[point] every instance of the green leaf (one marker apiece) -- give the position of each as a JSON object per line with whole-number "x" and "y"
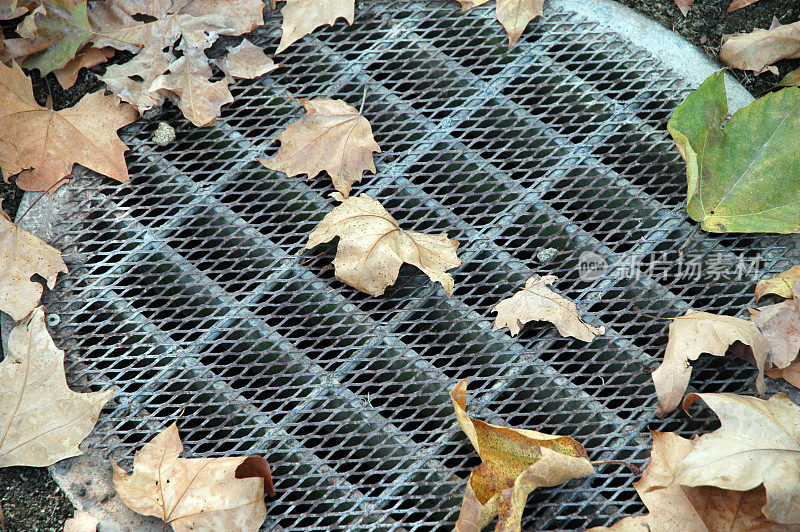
{"x": 64, "y": 29}
{"x": 744, "y": 178}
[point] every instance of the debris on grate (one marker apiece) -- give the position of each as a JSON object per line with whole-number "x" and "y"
{"x": 190, "y": 290}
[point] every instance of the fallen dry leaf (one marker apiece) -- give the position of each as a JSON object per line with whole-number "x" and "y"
{"x": 696, "y": 333}
{"x": 758, "y": 443}
{"x": 331, "y": 137}
{"x": 41, "y": 145}
{"x": 11, "y": 9}
{"x": 372, "y": 246}
{"x": 780, "y": 285}
{"x": 760, "y": 49}
{"x": 301, "y": 17}
{"x": 42, "y": 421}
{"x": 246, "y": 61}
{"x": 21, "y": 256}
{"x": 792, "y": 79}
{"x": 790, "y": 373}
{"x": 537, "y": 302}
{"x": 86, "y": 58}
{"x": 780, "y": 325}
{"x": 185, "y": 28}
{"x": 81, "y": 522}
{"x": 739, "y": 4}
{"x": 684, "y": 6}
{"x": 690, "y": 509}
{"x": 191, "y": 493}
{"x": 514, "y": 462}
{"x": 514, "y": 15}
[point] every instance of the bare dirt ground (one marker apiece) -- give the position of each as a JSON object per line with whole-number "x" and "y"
{"x": 30, "y": 498}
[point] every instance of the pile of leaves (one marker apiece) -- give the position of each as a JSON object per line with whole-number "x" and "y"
{"x": 742, "y": 176}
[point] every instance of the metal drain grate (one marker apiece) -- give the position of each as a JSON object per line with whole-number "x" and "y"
{"x": 189, "y": 289}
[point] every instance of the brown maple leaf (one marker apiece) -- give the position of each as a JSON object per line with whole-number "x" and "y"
{"x": 88, "y": 57}
{"x": 780, "y": 325}
{"x": 194, "y": 493}
{"x": 537, "y": 302}
{"x": 246, "y": 61}
{"x": 331, "y": 137}
{"x": 690, "y": 509}
{"x": 760, "y": 49}
{"x": 514, "y": 462}
{"x": 301, "y": 17}
{"x": 696, "y": 333}
{"x": 42, "y": 421}
{"x": 514, "y": 15}
{"x": 21, "y": 256}
{"x": 372, "y": 246}
{"x": 41, "y": 144}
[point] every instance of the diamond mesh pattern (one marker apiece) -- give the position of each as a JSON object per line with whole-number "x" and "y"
{"x": 190, "y": 291}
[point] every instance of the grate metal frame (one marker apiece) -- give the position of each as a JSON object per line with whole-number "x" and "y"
{"x": 189, "y": 289}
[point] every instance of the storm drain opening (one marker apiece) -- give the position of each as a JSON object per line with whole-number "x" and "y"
{"x": 190, "y": 291}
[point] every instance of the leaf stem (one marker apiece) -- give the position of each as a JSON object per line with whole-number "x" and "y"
{"x": 56, "y": 185}
{"x": 2, "y": 519}
{"x": 363, "y": 99}
{"x": 636, "y": 470}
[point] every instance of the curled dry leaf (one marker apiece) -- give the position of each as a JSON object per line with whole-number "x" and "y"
{"x": 514, "y": 462}
{"x": 780, "y": 325}
{"x": 696, "y": 333}
{"x": 42, "y": 421}
{"x": 301, "y": 17}
{"x": 690, "y": 509}
{"x": 334, "y": 137}
{"x": 191, "y": 493}
{"x": 21, "y": 256}
{"x": 760, "y": 49}
{"x": 86, "y": 58}
{"x": 41, "y": 145}
{"x": 792, "y": 79}
{"x": 790, "y": 373}
{"x": 81, "y": 522}
{"x": 780, "y": 285}
{"x": 743, "y": 178}
{"x": 739, "y": 4}
{"x": 372, "y": 246}
{"x": 246, "y": 61}
{"x": 514, "y": 15}
{"x": 537, "y": 302}
{"x": 758, "y": 443}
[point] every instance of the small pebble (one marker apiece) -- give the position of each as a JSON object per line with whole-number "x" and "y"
{"x": 546, "y": 254}
{"x": 164, "y": 135}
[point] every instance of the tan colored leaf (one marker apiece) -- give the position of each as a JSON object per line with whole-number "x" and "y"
{"x": 790, "y": 373}
{"x": 246, "y": 61}
{"x": 21, "y": 256}
{"x": 332, "y": 136}
{"x": 514, "y": 462}
{"x": 791, "y": 79}
{"x": 537, "y": 302}
{"x": 190, "y": 493}
{"x": 780, "y": 325}
{"x": 81, "y": 522}
{"x": 372, "y": 246}
{"x": 758, "y": 443}
{"x": 42, "y": 421}
{"x": 684, "y": 6}
{"x": 696, "y": 333}
{"x": 180, "y": 27}
{"x": 690, "y": 509}
{"x": 780, "y": 285}
{"x": 41, "y": 145}
{"x": 739, "y": 4}
{"x": 301, "y": 17}
{"x": 514, "y": 15}
{"x": 469, "y": 4}
{"x": 86, "y": 58}
{"x": 760, "y": 49}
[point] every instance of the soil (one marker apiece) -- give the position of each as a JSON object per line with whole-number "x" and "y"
{"x": 30, "y": 498}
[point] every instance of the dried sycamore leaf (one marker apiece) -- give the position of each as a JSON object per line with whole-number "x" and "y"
{"x": 743, "y": 177}
{"x": 11, "y": 9}
{"x": 190, "y": 493}
{"x": 684, "y": 6}
{"x": 514, "y": 462}
{"x": 690, "y": 509}
{"x": 790, "y": 373}
{"x": 758, "y": 443}
{"x": 61, "y": 31}
{"x": 43, "y": 144}
{"x": 301, "y": 17}
{"x": 42, "y": 421}
{"x": 333, "y": 137}
{"x": 780, "y": 285}
{"x": 372, "y": 246}
{"x": 81, "y": 522}
{"x": 696, "y": 333}
{"x": 21, "y": 256}
{"x": 760, "y": 49}
{"x": 780, "y": 325}
{"x": 246, "y": 61}
{"x": 86, "y": 58}
{"x": 514, "y": 15}
{"x": 182, "y": 27}
{"x": 537, "y": 302}
{"x": 739, "y": 4}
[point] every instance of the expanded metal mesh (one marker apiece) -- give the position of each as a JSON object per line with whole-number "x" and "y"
{"x": 190, "y": 290}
